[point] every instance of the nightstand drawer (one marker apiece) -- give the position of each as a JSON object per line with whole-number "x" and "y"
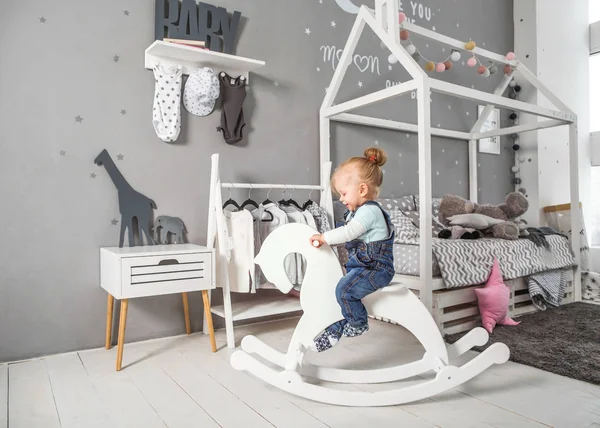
{"x": 165, "y": 274}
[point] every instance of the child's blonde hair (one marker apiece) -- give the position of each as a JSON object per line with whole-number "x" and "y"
{"x": 368, "y": 166}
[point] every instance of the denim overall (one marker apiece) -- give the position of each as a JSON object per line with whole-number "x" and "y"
{"x": 370, "y": 267}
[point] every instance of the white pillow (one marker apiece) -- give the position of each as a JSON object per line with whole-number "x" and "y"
{"x": 474, "y": 221}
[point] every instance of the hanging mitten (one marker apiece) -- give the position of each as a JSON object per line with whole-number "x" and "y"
{"x": 166, "y": 111}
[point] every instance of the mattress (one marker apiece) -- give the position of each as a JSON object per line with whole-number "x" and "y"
{"x": 406, "y": 259}
{"x": 465, "y": 262}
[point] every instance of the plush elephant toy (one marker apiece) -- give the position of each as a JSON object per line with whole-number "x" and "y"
{"x": 515, "y": 205}
{"x": 172, "y": 225}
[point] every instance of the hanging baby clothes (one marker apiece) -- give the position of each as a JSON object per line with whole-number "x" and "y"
{"x": 259, "y": 216}
{"x": 240, "y": 228}
{"x": 266, "y": 227}
{"x": 166, "y": 111}
{"x": 320, "y": 216}
{"x": 294, "y": 263}
{"x": 233, "y": 94}
{"x": 310, "y": 220}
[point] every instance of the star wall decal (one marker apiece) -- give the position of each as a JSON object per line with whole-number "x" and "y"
{"x": 333, "y": 24}
{"x": 389, "y": 67}
{"x": 78, "y": 119}
{"x": 114, "y": 221}
{"x": 276, "y": 83}
{"x": 120, "y": 156}
{"x": 126, "y": 12}
{"x": 63, "y": 153}
{"x": 93, "y": 175}
{"x": 318, "y": 68}
{"x": 307, "y": 31}
{"x": 116, "y": 58}
{"x": 123, "y": 112}
{"x": 42, "y": 20}
{"x": 360, "y": 84}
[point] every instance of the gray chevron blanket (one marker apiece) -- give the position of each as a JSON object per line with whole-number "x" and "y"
{"x": 547, "y": 288}
{"x": 465, "y": 262}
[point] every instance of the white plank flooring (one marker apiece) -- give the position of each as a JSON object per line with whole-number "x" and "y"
{"x": 178, "y": 382}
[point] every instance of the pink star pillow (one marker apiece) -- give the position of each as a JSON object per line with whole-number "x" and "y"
{"x": 493, "y": 300}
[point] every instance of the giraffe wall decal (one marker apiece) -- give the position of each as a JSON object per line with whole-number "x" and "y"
{"x": 132, "y": 204}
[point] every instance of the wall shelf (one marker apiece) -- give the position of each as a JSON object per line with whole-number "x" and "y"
{"x": 190, "y": 58}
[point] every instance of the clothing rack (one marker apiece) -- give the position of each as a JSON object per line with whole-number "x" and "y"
{"x": 259, "y": 306}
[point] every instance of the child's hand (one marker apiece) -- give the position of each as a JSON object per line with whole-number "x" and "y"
{"x": 317, "y": 240}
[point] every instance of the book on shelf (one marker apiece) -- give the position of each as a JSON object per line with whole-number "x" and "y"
{"x": 193, "y": 43}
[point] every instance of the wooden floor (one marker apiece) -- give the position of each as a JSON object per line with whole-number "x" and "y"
{"x": 178, "y": 382}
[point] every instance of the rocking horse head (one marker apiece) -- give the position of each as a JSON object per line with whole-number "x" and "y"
{"x": 322, "y": 263}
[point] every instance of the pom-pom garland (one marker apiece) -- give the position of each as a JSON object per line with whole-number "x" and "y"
{"x": 514, "y": 116}
{"x": 447, "y": 63}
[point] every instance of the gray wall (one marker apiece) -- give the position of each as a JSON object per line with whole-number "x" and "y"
{"x": 55, "y": 215}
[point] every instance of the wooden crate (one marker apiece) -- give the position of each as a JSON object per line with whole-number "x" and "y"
{"x": 456, "y": 310}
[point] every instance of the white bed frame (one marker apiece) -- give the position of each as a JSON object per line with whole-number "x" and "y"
{"x": 453, "y": 308}
{"x": 384, "y": 22}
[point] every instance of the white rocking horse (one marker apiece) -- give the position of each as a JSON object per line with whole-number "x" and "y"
{"x": 321, "y": 309}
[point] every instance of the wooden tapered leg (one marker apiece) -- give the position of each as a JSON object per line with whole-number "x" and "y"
{"x": 186, "y": 313}
{"x": 209, "y": 320}
{"x": 109, "y": 317}
{"x": 122, "y": 322}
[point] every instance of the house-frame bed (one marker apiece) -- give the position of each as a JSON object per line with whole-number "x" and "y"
{"x": 452, "y": 308}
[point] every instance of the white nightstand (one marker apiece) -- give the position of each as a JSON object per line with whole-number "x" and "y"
{"x": 153, "y": 270}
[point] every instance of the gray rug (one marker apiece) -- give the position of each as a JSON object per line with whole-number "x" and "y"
{"x": 563, "y": 340}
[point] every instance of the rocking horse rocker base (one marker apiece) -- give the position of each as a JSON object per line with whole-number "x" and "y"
{"x": 321, "y": 309}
